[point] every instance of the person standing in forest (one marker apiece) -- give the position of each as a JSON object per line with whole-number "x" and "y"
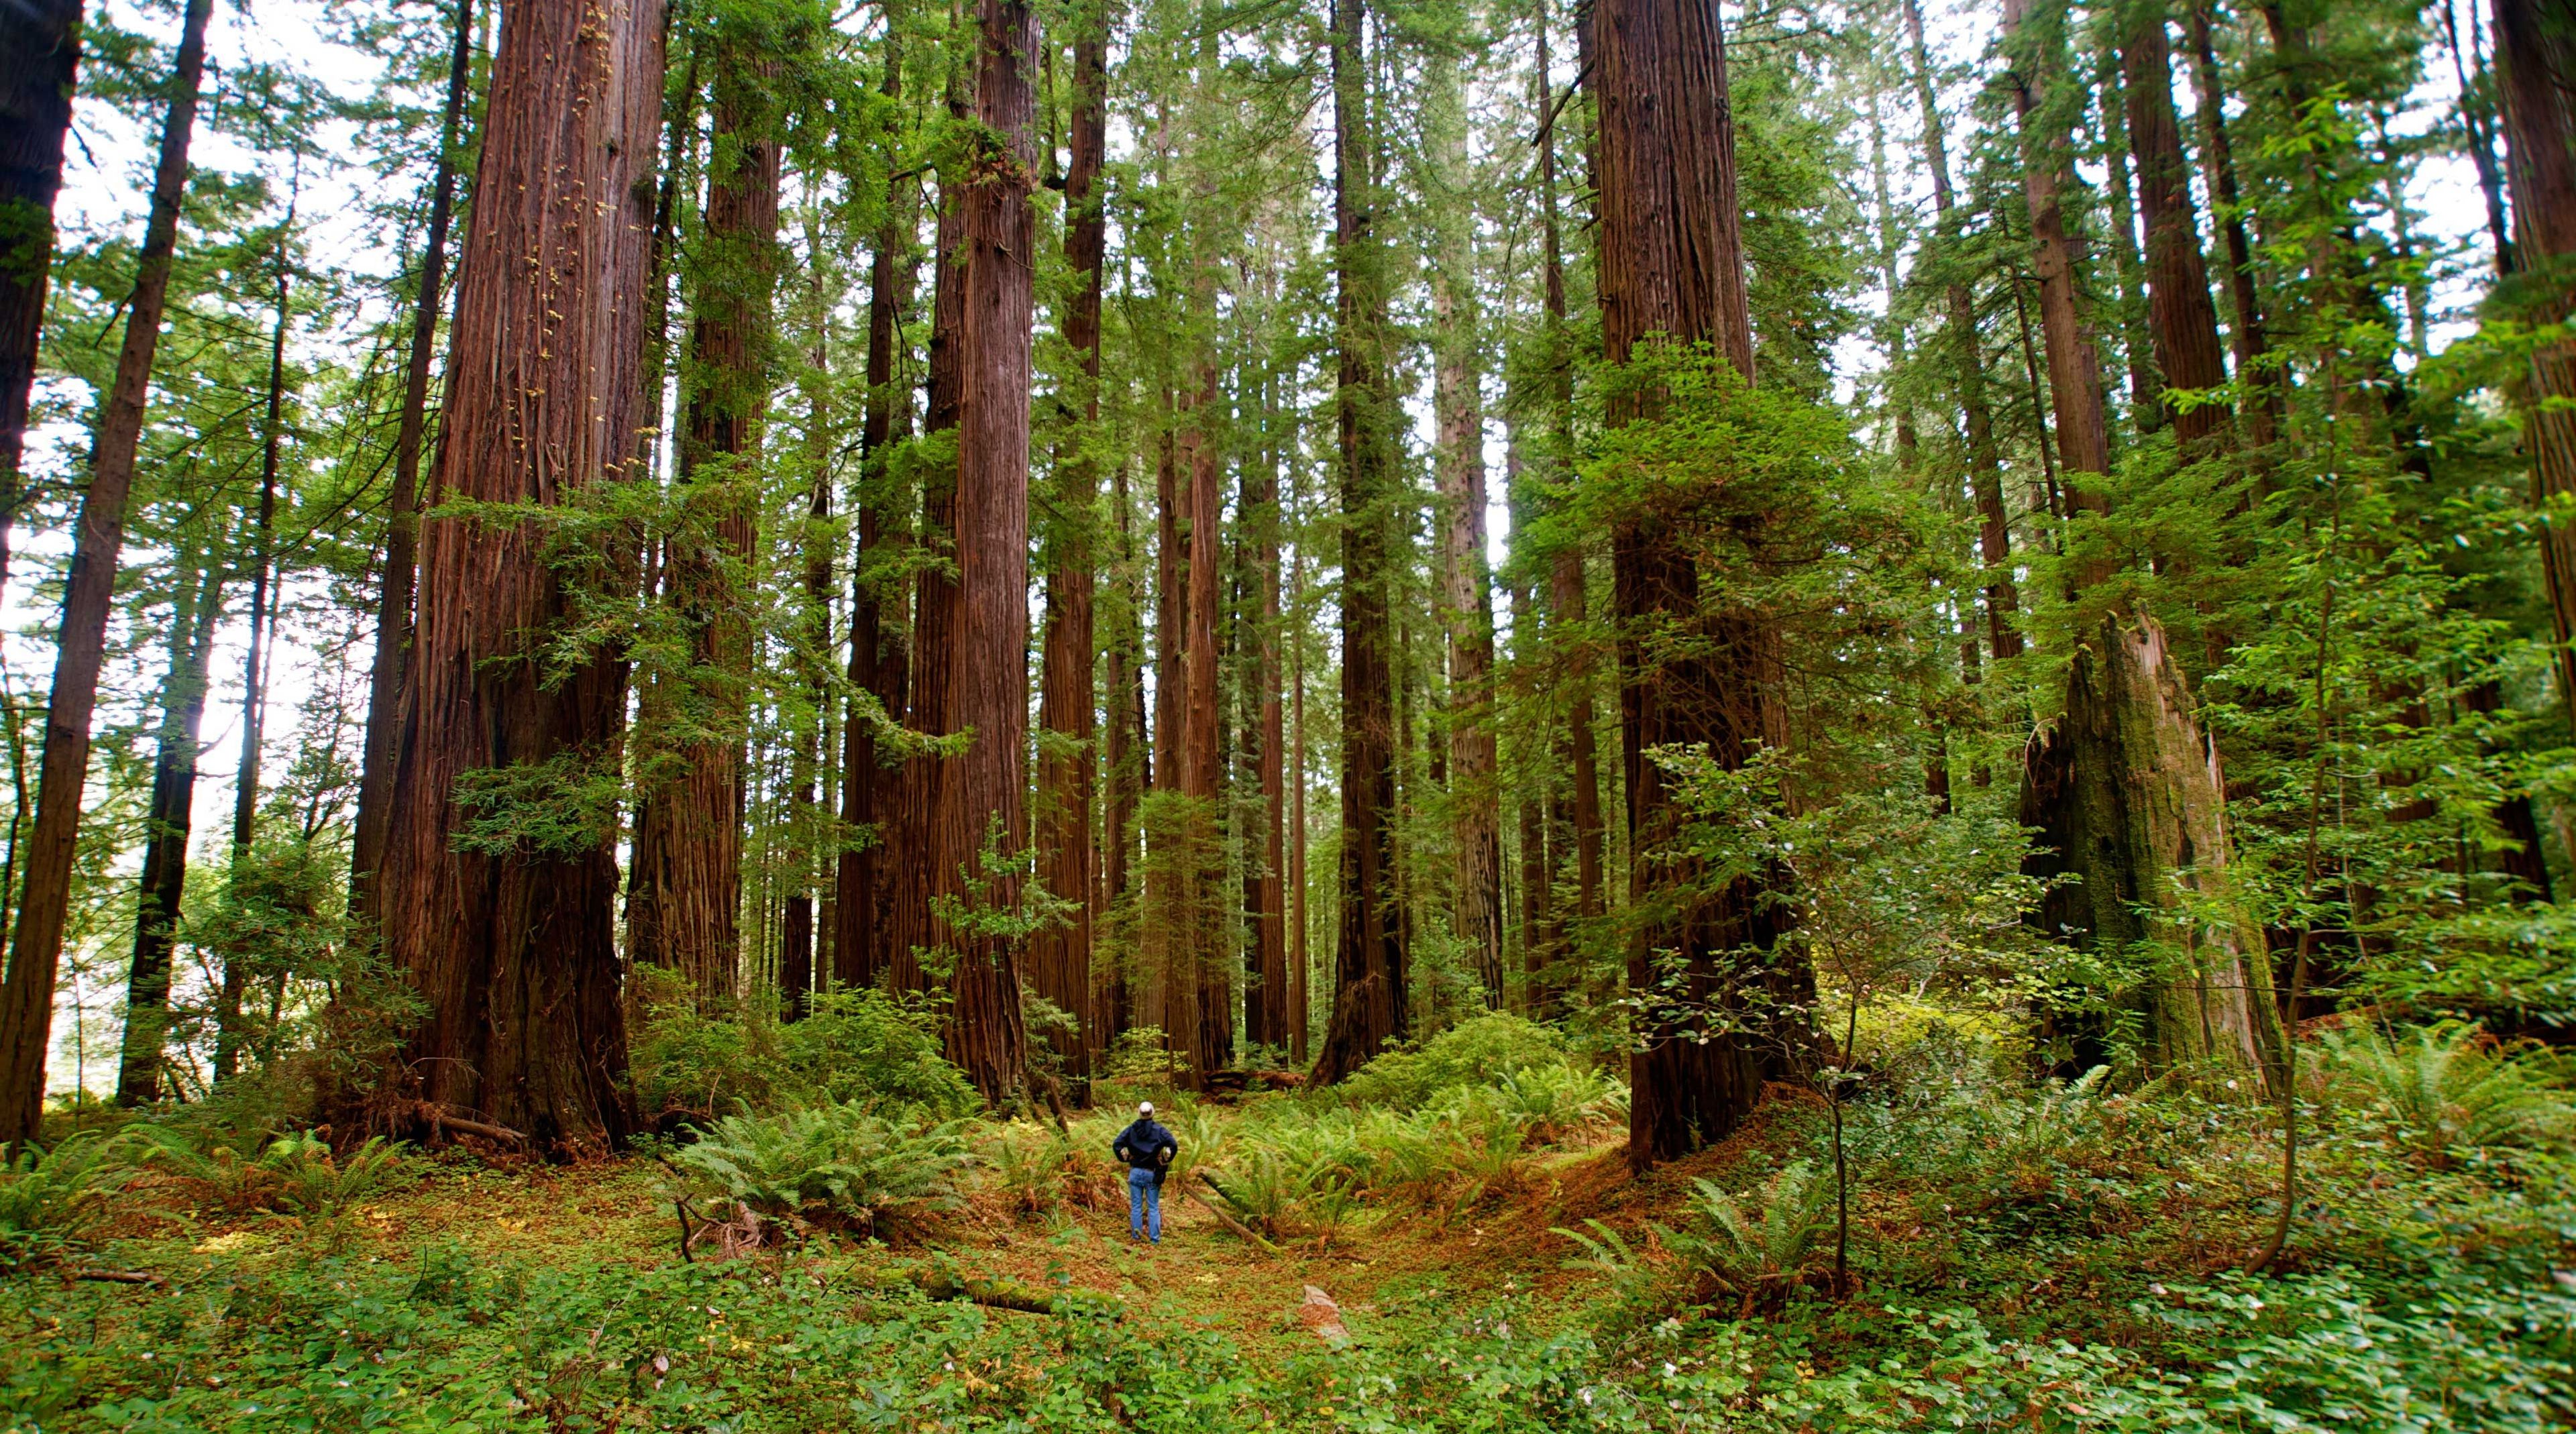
{"x": 1148, "y": 1150}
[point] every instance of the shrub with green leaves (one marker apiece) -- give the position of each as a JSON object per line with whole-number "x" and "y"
{"x": 1756, "y": 1245}
{"x": 50, "y": 1200}
{"x": 1470, "y": 1053}
{"x": 840, "y": 1166}
{"x": 863, "y": 1045}
{"x": 2450, "y": 1089}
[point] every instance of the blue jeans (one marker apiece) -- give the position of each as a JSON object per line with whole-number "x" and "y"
{"x": 1144, "y": 1204}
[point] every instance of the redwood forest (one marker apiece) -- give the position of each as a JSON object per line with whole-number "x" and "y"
{"x": 1448, "y": 715}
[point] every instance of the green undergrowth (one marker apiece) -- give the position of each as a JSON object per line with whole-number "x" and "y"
{"x": 2045, "y": 1256}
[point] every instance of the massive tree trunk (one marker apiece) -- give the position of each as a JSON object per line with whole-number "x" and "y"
{"x": 1672, "y": 269}
{"x": 2127, "y": 794}
{"x": 2184, "y": 322}
{"x": 879, "y": 662}
{"x": 1369, "y": 976}
{"x": 1985, "y": 462}
{"x": 1459, "y": 414}
{"x": 1060, "y": 957}
{"x": 1208, "y": 1039}
{"x": 2536, "y": 71}
{"x": 979, "y": 838}
{"x": 2074, "y": 371}
{"x": 1129, "y": 771}
{"x": 41, "y": 42}
{"x": 27, "y": 996}
{"x": 1267, "y": 1003}
{"x": 684, "y": 894}
{"x": 194, "y": 617}
{"x": 497, "y": 895}
{"x": 229, "y": 1032}
{"x": 1168, "y": 993}
{"x": 402, "y": 505}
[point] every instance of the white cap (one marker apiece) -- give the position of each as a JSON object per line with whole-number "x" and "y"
{"x": 1144, "y": 1107}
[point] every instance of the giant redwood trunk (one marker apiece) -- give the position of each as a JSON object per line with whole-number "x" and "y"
{"x": 1672, "y": 268}
{"x": 2074, "y": 371}
{"x": 80, "y": 644}
{"x": 402, "y": 505}
{"x": 40, "y": 40}
{"x": 2128, "y": 797}
{"x": 1369, "y": 955}
{"x": 2535, "y": 68}
{"x": 498, "y": 889}
{"x": 685, "y": 890}
{"x": 193, "y": 621}
{"x": 979, "y": 834}
{"x": 1060, "y": 958}
{"x": 2179, "y": 311}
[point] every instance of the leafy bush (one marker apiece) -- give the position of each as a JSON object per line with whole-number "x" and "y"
{"x": 51, "y": 1199}
{"x": 1752, "y": 1253}
{"x": 1139, "y": 1065}
{"x": 836, "y": 1166}
{"x": 1469, "y": 1053}
{"x": 1042, "y": 1171}
{"x": 314, "y": 1185}
{"x": 2451, "y": 1088}
{"x": 854, "y": 1045}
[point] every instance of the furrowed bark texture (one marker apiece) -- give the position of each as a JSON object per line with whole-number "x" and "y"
{"x": 2127, "y": 794}
{"x": 35, "y": 958}
{"x": 980, "y": 802}
{"x": 402, "y": 505}
{"x": 1369, "y": 955}
{"x": 1060, "y": 958}
{"x": 2535, "y": 67}
{"x": 40, "y": 44}
{"x": 511, "y": 945}
{"x": 1267, "y": 1004}
{"x": 1672, "y": 266}
{"x": 684, "y": 892}
{"x": 2184, "y": 321}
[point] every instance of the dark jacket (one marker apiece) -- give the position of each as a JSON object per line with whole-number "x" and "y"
{"x": 1145, "y": 1145}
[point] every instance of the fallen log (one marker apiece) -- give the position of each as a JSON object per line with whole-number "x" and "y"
{"x": 1231, "y": 1223}
{"x": 992, "y": 1294}
{"x": 119, "y": 1277}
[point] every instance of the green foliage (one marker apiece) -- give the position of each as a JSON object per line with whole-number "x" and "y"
{"x": 1467, "y": 1054}
{"x": 2452, "y": 1089}
{"x": 1753, "y": 1251}
{"x": 839, "y": 1166}
{"x": 51, "y": 1200}
{"x": 863, "y": 1046}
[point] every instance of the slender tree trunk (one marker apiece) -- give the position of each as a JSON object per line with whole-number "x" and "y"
{"x": 1672, "y": 265}
{"x": 1369, "y": 980}
{"x": 1201, "y": 950}
{"x": 798, "y": 930}
{"x": 42, "y": 42}
{"x": 193, "y": 620}
{"x": 1060, "y": 959}
{"x": 229, "y": 1034}
{"x": 402, "y": 506}
{"x": 1985, "y": 461}
{"x": 2476, "y": 106}
{"x": 2265, "y": 411}
{"x": 1300, "y": 957}
{"x": 1267, "y": 999}
{"x": 2137, "y": 344}
{"x": 684, "y": 894}
{"x": 2184, "y": 322}
{"x": 1459, "y": 413}
{"x": 979, "y": 835}
{"x": 2535, "y": 69}
{"x": 1128, "y": 772}
{"x": 2074, "y": 372}
{"x": 507, "y": 934}
{"x": 879, "y": 664}
{"x": 1566, "y": 582}
{"x": 27, "y": 996}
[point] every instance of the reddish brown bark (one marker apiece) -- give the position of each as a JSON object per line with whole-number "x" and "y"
{"x": 1672, "y": 269}
{"x": 2179, "y": 311}
{"x": 979, "y": 834}
{"x": 509, "y": 941}
{"x": 2074, "y": 371}
{"x": 2266, "y": 409}
{"x": 41, "y": 42}
{"x": 1369, "y": 976}
{"x": 27, "y": 996}
{"x": 1060, "y": 958}
{"x": 1268, "y": 1000}
{"x": 402, "y": 505}
{"x": 2535, "y": 70}
{"x": 684, "y": 893}
{"x": 1209, "y": 1042}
